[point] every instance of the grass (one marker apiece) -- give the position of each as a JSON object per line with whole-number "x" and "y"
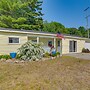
{"x": 66, "y": 73}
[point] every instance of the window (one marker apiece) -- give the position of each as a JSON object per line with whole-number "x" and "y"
{"x": 72, "y": 46}
{"x": 34, "y": 41}
{"x": 13, "y": 40}
{"x": 49, "y": 43}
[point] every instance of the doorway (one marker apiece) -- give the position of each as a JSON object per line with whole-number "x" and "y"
{"x": 58, "y": 46}
{"x": 72, "y": 46}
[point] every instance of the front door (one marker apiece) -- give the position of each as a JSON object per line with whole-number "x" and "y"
{"x": 58, "y": 46}
{"x": 72, "y": 46}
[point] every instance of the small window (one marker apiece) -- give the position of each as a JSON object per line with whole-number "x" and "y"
{"x": 13, "y": 40}
{"x": 49, "y": 43}
{"x": 34, "y": 41}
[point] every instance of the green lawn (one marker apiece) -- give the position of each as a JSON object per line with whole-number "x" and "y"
{"x": 66, "y": 73}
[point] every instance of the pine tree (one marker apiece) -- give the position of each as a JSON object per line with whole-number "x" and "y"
{"x": 21, "y": 14}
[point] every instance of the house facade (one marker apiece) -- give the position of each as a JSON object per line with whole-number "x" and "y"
{"x": 11, "y": 40}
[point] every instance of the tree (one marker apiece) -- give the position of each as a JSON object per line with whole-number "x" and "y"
{"x": 82, "y": 30}
{"x": 58, "y": 27}
{"x": 21, "y": 14}
{"x": 54, "y": 27}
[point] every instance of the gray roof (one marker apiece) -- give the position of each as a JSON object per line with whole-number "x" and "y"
{"x": 23, "y": 30}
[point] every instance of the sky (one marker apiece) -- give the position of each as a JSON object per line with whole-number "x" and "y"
{"x": 68, "y": 12}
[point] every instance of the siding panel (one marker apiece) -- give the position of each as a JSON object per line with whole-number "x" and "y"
{"x": 5, "y": 47}
{"x": 65, "y": 45}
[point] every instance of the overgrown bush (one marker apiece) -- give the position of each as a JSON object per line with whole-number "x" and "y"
{"x": 85, "y": 50}
{"x": 30, "y": 51}
{"x": 5, "y": 57}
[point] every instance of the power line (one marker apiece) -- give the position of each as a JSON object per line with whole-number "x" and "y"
{"x": 86, "y": 8}
{"x": 87, "y": 16}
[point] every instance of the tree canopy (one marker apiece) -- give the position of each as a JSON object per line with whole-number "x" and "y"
{"x": 54, "y": 27}
{"x": 21, "y": 14}
{"x": 26, "y": 14}
{"x": 58, "y": 27}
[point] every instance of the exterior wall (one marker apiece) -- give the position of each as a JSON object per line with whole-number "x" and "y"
{"x": 5, "y": 47}
{"x": 80, "y": 45}
{"x": 87, "y": 45}
{"x": 65, "y": 45}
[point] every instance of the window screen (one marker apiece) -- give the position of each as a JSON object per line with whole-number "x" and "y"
{"x": 13, "y": 40}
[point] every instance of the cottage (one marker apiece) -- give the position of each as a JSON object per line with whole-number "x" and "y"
{"x": 12, "y": 39}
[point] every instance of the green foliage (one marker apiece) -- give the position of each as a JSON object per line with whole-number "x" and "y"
{"x": 85, "y": 50}
{"x": 18, "y": 56}
{"x": 54, "y": 55}
{"x": 30, "y": 51}
{"x": 47, "y": 54}
{"x": 54, "y": 27}
{"x": 5, "y": 57}
{"x": 82, "y": 30}
{"x": 21, "y": 14}
{"x": 58, "y": 27}
{"x": 58, "y": 53}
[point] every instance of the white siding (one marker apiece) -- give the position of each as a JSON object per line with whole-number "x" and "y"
{"x": 87, "y": 45}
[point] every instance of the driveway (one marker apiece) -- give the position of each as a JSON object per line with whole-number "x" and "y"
{"x": 85, "y": 56}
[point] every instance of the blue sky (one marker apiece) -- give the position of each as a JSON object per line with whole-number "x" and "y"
{"x": 68, "y": 12}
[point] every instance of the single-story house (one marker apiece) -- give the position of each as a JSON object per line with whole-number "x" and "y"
{"x": 12, "y": 39}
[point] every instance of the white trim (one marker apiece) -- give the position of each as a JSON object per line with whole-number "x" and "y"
{"x": 45, "y": 34}
{"x": 55, "y": 43}
{"x": 37, "y": 40}
{"x": 23, "y": 32}
{"x": 41, "y": 36}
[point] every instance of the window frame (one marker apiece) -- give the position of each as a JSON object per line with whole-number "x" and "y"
{"x": 13, "y": 37}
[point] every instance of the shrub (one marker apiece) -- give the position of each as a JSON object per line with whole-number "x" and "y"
{"x": 0, "y": 56}
{"x": 85, "y": 50}
{"x": 58, "y": 53}
{"x": 30, "y": 51}
{"x": 54, "y": 55}
{"x": 46, "y": 54}
{"x": 5, "y": 57}
{"x": 18, "y": 56}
